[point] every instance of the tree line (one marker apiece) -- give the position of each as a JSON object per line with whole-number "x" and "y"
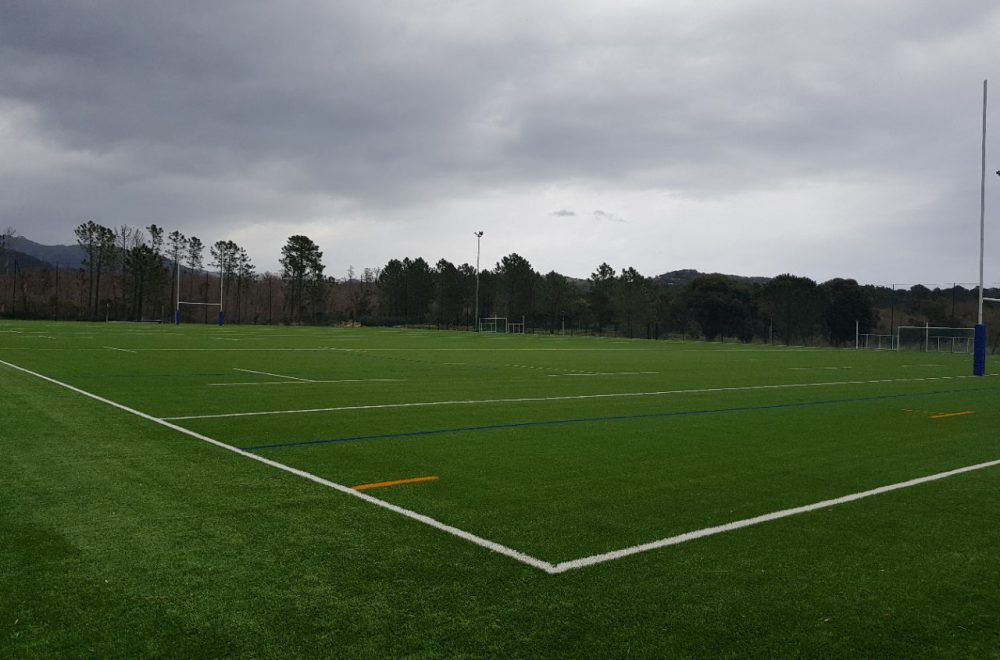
{"x": 139, "y": 274}
{"x": 131, "y": 273}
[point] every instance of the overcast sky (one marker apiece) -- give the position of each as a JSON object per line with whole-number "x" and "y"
{"x": 751, "y": 137}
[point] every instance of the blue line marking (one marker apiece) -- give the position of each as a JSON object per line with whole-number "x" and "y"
{"x": 586, "y": 420}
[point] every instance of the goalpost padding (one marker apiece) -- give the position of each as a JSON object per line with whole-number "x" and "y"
{"x": 979, "y": 352}
{"x": 177, "y": 310}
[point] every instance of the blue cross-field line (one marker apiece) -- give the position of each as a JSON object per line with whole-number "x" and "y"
{"x": 606, "y": 418}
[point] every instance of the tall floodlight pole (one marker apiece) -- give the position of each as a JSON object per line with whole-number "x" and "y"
{"x": 979, "y": 351}
{"x": 479, "y": 237}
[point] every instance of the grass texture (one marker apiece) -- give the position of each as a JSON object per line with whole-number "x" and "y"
{"x": 121, "y": 537}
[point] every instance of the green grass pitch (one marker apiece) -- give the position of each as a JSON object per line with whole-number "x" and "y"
{"x": 126, "y": 535}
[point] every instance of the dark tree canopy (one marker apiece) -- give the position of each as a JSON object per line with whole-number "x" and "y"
{"x": 720, "y": 306}
{"x": 302, "y": 274}
{"x": 850, "y": 309}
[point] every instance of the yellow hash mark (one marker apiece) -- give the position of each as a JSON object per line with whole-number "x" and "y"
{"x": 954, "y": 414}
{"x": 397, "y": 482}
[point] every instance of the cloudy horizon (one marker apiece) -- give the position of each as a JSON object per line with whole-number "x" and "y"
{"x": 758, "y": 138}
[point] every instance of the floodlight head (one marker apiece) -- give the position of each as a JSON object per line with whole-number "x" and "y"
{"x": 479, "y": 234}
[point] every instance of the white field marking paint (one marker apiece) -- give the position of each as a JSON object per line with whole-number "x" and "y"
{"x": 407, "y": 350}
{"x": 572, "y": 397}
{"x": 347, "y": 490}
{"x": 921, "y": 365}
{"x": 115, "y": 348}
{"x": 267, "y": 373}
{"x": 817, "y": 368}
{"x": 767, "y": 517}
{"x": 311, "y": 382}
{"x": 484, "y": 350}
{"x": 604, "y": 373}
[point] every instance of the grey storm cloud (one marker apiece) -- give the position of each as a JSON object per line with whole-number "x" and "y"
{"x": 227, "y": 114}
{"x": 607, "y": 217}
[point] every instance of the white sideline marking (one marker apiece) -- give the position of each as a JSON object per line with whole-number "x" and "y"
{"x": 422, "y": 404}
{"x": 266, "y": 373}
{"x": 115, "y": 348}
{"x": 604, "y": 373}
{"x": 311, "y": 382}
{"x": 496, "y": 349}
{"x": 547, "y": 567}
{"x": 413, "y": 515}
{"x": 767, "y": 517}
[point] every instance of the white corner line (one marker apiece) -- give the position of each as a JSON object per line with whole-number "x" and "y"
{"x": 547, "y": 567}
{"x": 413, "y": 515}
{"x": 123, "y": 350}
{"x": 583, "y": 562}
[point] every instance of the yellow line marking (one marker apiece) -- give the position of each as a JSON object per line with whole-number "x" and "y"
{"x": 397, "y": 482}
{"x": 954, "y": 414}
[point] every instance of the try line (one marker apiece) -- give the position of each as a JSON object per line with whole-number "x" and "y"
{"x": 568, "y": 397}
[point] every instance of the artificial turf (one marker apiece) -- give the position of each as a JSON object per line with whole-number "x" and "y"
{"x": 124, "y": 538}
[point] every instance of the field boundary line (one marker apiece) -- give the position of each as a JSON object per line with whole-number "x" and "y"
{"x": 268, "y": 373}
{"x": 606, "y": 418}
{"x": 347, "y": 490}
{"x": 568, "y": 397}
{"x": 311, "y": 382}
{"x": 592, "y": 560}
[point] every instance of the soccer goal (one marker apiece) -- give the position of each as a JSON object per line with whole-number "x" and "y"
{"x": 932, "y": 339}
{"x": 875, "y": 342}
{"x": 493, "y": 324}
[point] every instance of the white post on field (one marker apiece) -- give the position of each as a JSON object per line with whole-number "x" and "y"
{"x": 177, "y": 300}
{"x": 479, "y": 237}
{"x": 979, "y": 351}
{"x": 982, "y": 210}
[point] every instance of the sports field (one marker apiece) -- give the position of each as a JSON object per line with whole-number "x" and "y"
{"x": 265, "y": 491}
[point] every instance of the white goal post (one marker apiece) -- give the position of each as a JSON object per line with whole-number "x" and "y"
{"x": 493, "y": 324}
{"x": 499, "y": 324}
{"x": 875, "y": 342}
{"x": 935, "y": 339}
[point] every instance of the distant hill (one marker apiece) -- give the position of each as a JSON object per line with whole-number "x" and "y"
{"x": 686, "y": 276}
{"x": 69, "y": 256}
{"x": 22, "y": 260}
{"x": 72, "y": 256}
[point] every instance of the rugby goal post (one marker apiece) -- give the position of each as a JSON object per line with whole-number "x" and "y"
{"x": 179, "y": 302}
